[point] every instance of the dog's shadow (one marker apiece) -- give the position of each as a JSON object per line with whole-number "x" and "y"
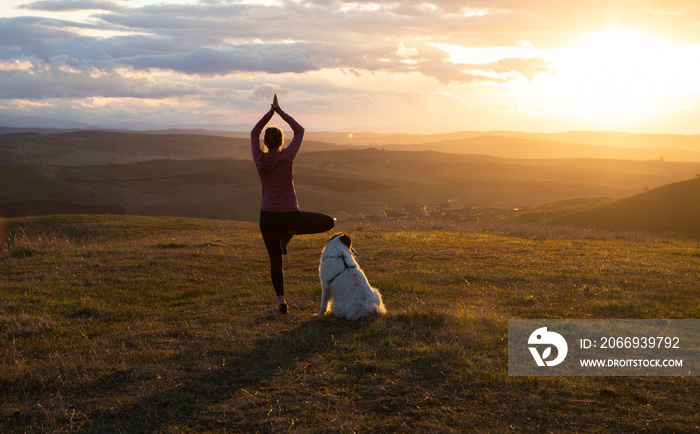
{"x": 270, "y": 357}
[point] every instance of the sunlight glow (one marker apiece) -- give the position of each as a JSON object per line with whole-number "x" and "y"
{"x": 470, "y": 12}
{"x": 480, "y": 56}
{"x": 403, "y": 51}
{"x": 619, "y": 75}
{"x": 361, "y": 7}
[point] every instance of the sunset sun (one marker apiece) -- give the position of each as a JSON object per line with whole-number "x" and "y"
{"x": 618, "y": 77}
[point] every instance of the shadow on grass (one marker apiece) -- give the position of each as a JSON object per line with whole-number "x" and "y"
{"x": 177, "y": 405}
{"x": 191, "y": 402}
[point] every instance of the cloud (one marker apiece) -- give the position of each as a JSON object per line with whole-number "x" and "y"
{"x": 528, "y": 68}
{"x": 211, "y": 38}
{"x": 72, "y": 5}
{"x": 268, "y": 90}
{"x": 365, "y": 52}
{"x": 202, "y": 50}
{"x": 44, "y": 38}
{"x": 402, "y": 51}
{"x": 205, "y": 61}
{"x": 64, "y": 77}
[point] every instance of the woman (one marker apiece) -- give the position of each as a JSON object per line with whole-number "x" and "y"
{"x": 280, "y": 218}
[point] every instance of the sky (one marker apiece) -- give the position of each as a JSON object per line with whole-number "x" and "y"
{"x": 357, "y": 66}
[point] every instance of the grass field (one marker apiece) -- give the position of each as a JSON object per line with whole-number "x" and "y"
{"x": 138, "y": 324}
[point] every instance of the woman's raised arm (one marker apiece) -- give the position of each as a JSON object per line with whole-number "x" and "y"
{"x": 257, "y": 130}
{"x": 295, "y": 144}
{"x": 296, "y": 127}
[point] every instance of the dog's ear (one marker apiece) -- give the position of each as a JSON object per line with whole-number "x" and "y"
{"x": 345, "y": 239}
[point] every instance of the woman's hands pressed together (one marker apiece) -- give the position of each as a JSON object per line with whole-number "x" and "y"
{"x": 276, "y": 105}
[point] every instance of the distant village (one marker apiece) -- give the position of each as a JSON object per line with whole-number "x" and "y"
{"x": 442, "y": 211}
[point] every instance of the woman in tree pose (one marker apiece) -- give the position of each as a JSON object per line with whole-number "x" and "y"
{"x": 280, "y": 217}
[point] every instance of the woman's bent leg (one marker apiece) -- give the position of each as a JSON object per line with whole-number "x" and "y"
{"x": 310, "y": 223}
{"x": 272, "y": 227}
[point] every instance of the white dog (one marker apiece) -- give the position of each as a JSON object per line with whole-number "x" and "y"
{"x": 344, "y": 285}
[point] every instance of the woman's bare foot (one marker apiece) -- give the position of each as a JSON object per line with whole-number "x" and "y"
{"x": 283, "y": 305}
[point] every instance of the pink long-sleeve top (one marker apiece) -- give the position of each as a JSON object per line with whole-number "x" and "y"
{"x": 276, "y": 170}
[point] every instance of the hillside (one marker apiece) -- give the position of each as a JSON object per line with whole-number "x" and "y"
{"x": 673, "y": 208}
{"x": 195, "y": 188}
{"x": 344, "y": 182}
{"x": 102, "y": 147}
{"x": 598, "y": 138}
{"x": 142, "y": 324}
{"x": 514, "y": 144}
{"x": 514, "y": 147}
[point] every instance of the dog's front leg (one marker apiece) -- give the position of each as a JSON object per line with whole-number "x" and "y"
{"x": 324, "y": 299}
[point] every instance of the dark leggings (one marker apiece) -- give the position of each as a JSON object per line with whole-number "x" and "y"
{"x": 272, "y": 224}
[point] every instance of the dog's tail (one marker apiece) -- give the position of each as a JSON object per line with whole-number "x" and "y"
{"x": 374, "y": 303}
{"x": 369, "y": 306}
{"x": 379, "y": 306}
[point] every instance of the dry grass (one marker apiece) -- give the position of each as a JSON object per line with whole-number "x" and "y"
{"x": 136, "y": 324}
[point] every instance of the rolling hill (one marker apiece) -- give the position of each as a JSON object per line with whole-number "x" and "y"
{"x": 515, "y": 144}
{"x": 102, "y": 147}
{"x": 515, "y": 147}
{"x": 209, "y": 174}
{"x": 673, "y": 208}
{"x": 342, "y": 182}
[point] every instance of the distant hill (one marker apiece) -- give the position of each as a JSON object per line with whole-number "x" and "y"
{"x": 37, "y": 122}
{"x": 515, "y": 147}
{"x": 77, "y": 147}
{"x": 598, "y": 138}
{"x": 101, "y": 147}
{"x": 335, "y": 182}
{"x": 12, "y": 121}
{"x": 625, "y": 140}
{"x": 515, "y": 144}
{"x": 673, "y": 208}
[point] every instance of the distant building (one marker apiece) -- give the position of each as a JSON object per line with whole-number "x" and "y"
{"x": 411, "y": 209}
